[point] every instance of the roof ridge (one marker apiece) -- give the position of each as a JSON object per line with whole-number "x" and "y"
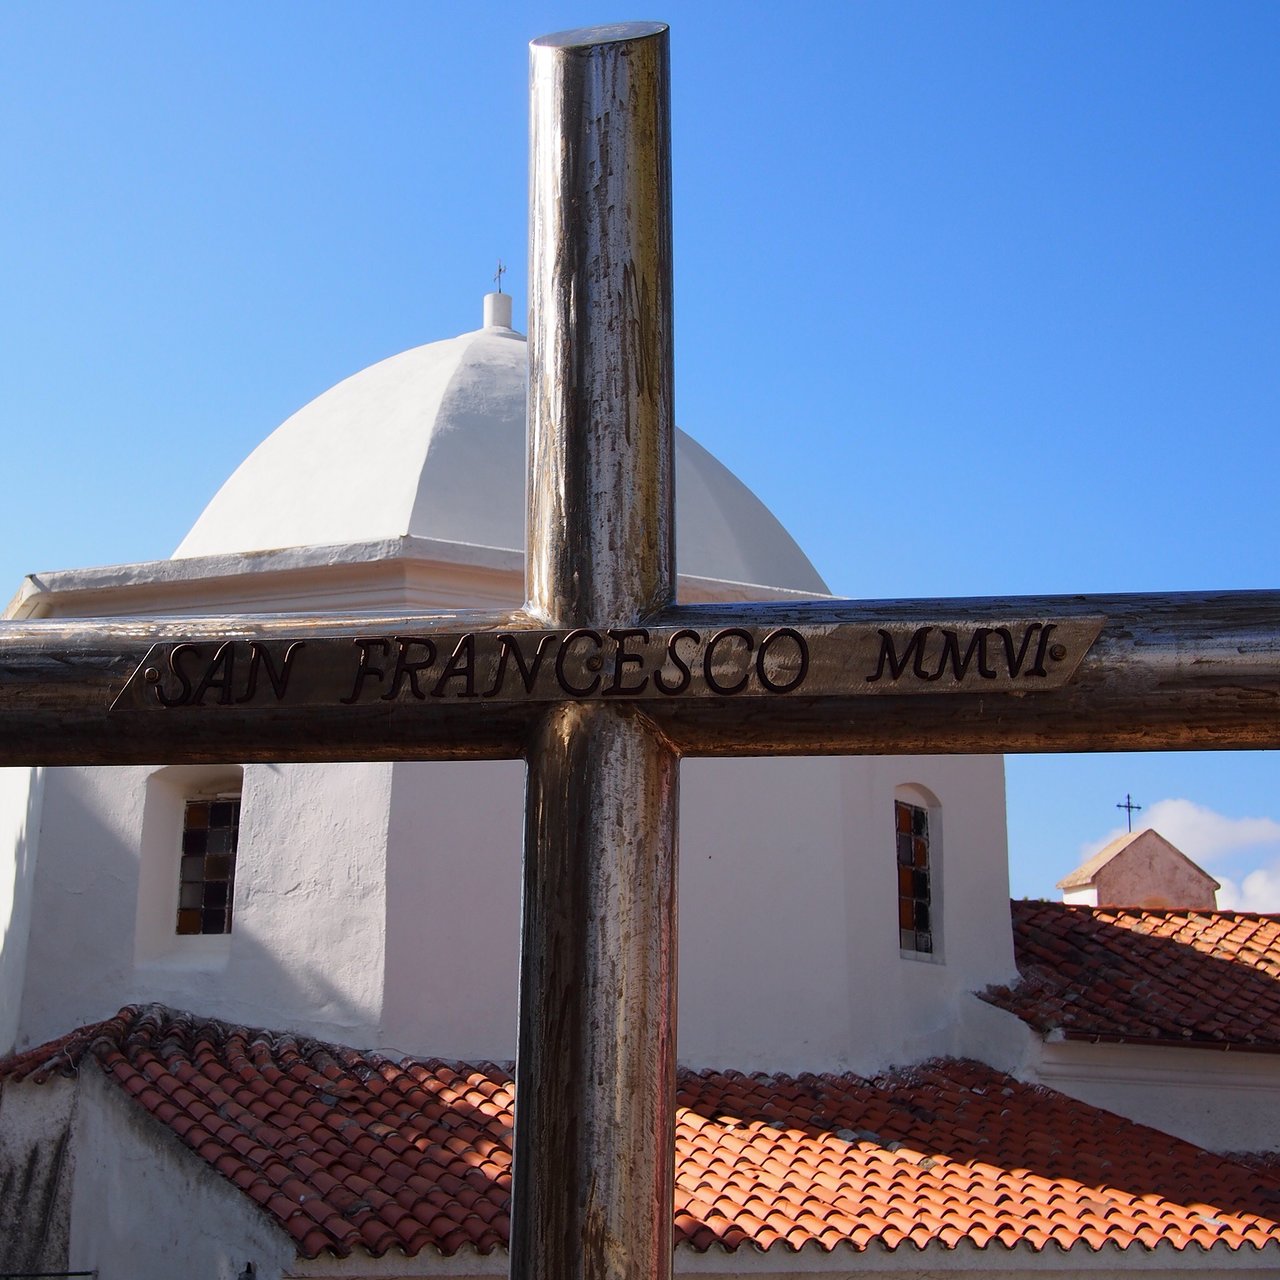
{"x": 153, "y": 1022}
{"x": 1231, "y": 913}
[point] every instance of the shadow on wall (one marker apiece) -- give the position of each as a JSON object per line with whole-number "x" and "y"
{"x": 82, "y": 892}
{"x": 81, "y": 959}
{"x": 35, "y": 1176}
{"x": 21, "y": 794}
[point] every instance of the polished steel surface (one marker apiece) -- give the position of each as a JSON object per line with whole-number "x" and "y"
{"x": 595, "y": 1066}
{"x": 601, "y": 532}
{"x": 1166, "y": 671}
{"x": 592, "y": 1180}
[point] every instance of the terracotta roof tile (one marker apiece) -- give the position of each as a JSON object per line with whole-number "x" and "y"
{"x": 943, "y": 1153}
{"x": 1199, "y": 978}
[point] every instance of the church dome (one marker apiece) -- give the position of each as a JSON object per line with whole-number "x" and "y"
{"x": 431, "y": 444}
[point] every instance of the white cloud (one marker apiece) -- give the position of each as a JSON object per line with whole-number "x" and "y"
{"x": 1258, "y": 891}
{"x": 1201, "y": 833}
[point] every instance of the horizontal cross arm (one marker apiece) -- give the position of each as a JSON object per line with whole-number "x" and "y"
{"x": 59, "y": 680}
{"x": 1055, "y": 673}
{"x": 1165, "y": 672}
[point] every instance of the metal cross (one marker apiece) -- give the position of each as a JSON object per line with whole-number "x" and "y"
{"x": 497, "y": 275}
{"x": 602, "y": 682}
{"x": 1129, "y": 806}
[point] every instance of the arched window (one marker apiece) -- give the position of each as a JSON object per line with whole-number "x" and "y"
{"x": 915, "y": 814}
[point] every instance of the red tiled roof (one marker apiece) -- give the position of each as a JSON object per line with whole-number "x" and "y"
{"x": 349, "y": 1150}
{"x": 1199, "y": 978}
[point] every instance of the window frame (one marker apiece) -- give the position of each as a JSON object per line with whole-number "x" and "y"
{"x": 205, "y": 899}
{"x": 917, "y": 874}
{"x": 167, "y": 791}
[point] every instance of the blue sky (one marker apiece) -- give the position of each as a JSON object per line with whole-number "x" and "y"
{"x": 980, "y": 298}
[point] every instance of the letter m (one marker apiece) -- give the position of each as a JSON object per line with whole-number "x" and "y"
{"x": 911, "y": 655}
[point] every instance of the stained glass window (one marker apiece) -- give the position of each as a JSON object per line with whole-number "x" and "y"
{"x": 915, "y": 925}
{"x": 206, "y": 880}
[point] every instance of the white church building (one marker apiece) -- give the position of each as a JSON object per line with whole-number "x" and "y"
{"x": 261, "y": 1017}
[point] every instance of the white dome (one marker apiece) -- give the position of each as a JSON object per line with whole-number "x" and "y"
{"x": 431, "y": 444}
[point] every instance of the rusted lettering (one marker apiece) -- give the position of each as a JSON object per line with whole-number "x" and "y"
{"x": 583, "y": 633}
{"x": 802, "y": 667}
{"x": 510, "y": 647}
{"x": 405, "y": 667}
{"x": 176, "y": 654}
{"x": 1014, "y": 660}
{"x": 218, "y": 675}
{"x": 260, "y": 656}
{"x": 889, "y": 654}
{"x": 461, "y": 666}
{"x": 623, "y": 658}
{"x": 366, "y": 669}
{"x": 682, "y": 683}
{"x": 1041, "y": 650}
{"x": 708, "y": 661}
{"x": 845, "y": 659}
{"x": 960, "y": 666}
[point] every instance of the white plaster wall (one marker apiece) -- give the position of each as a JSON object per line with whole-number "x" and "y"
{"x": 995, "y": 1037}
{"x": 21, "y": 799}
{"x": 380, "y": 905}
{"x": 789, "y": 955}
{"x": 934, "y": 1262}
{"x": 1218, "y": 1100}
{"x": 453, "y": 908}
{"x": 1080, "y": 897}
{"x": 308, "y": 936}
{"x": 905, "y": 1007}
{"x": 146, "y": 1208}
{"x": 80, "y": 953}
{"x": 306, "y": 948}
{"x": 36, "y": 1164}
{"x": 788, "y": 912}
{"x": 763, "y": 976}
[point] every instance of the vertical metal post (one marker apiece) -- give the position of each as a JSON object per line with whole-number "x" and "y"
{"x": 595, "y": 1067}
{"x": 601, "y": 535}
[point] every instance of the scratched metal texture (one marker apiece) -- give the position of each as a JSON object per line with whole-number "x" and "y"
{"x": 592, "y": 1179}
{"x": 1173, "y": 672}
